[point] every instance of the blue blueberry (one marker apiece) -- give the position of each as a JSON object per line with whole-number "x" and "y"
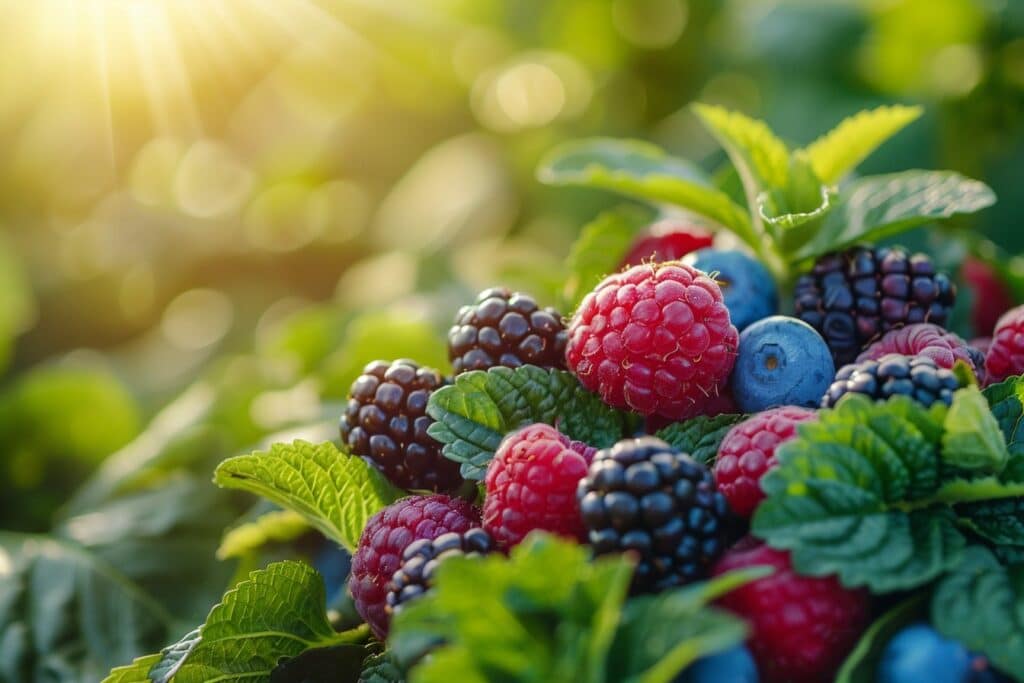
{"x": 919, "y": 653}
{"x": 781, "y": 362}
{"x": 731, "y": 666}
{"x": 333, "y": 564}
{"x": 749, "y": 289}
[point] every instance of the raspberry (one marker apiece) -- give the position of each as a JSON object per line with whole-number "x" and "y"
{"x": 385, "y": 538}
{"x": 801, "y": 627}
{"x": 990, "y": 295}
{"x": 655, "y": 339}
{"x": 982, "y": 344}
{"x": 926, "y": 339}
{"x": 668, "y": 240}
{"x": 531, "y": 485}
{"x": 421, "y": 559}
{"x": 894, "y": 375}
{"x": 644, "y": 497}
{"x": 852, "y": 297}
{"x": 748, "y": 451}
{"x": 1005, "y": 356}
{"x": 386, "y": 421}
{"x": 506, "y": 328}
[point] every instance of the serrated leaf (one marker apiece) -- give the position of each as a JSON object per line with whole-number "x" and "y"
{"x": 475, "y": 412}
{"x": 643, "y": 171}
{"x": 981, "y": 604}
{"x": 998, "y": 521}
{"x": 701, "y": 436}
{"x": 380, "y": 668}
{"x": 173, "y": 657}
{"x": 1006, "y": 400}
{"x": 335, "y": 492}
{"x": 601, "y": 246}
{"x": 876, "y": 207}
{"x": 136, "y": 672}
{"x": 792, "y": 229}
{"x": 972, "y": 439}
{"x": 840, "y": 150}
{"x": 861, "y": 665}
{"x": 761, "y": 159}
{"x": 276, "y": 526}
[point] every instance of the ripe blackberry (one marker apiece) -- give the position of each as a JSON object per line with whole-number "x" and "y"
{"x": 855, "y": 296}
{"x": 506, "y": 328}
{"x": 385, "y": 538}
{"x": 894, "y": 375}
{"x": 386, "y": 421}
{"x": 421, "y": 559}
{"x": 643, "y": 496}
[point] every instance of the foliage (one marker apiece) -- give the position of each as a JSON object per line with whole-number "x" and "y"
{"x": 700, "y": 436}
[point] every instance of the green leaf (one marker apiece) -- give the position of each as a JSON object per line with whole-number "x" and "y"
{"x": 335, "y": 492}
{"x": 972, "y": 439}
{"x": 850, "y": 497}
{"x": 701, "y": 436}
{"x": 841, "y": 149}
{"x": 1006, "y": 400}
{"x": 475, "y": 412}
{"x": 861, "y": 665}
{"x": 981, "y": 604}
{"x": 380, "y": 668}
{"x": 876, "y": 207}
{"x": 601, "y": 247}
{"x": 643, "y": 171}
{"x": 136, "y": 672}
{"x": 276, "y": 526}
{"x": 277, "y": 613}
{"x": 998, "y": 521}
{"x": 792, "y": 229}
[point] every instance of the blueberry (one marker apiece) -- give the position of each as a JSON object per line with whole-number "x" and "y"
{"x": 781, "y": 361}
{"x": 919, "y": 653}
{"x": 747, "y": 286}
{"x": 732, "y": 666}
{"x": 333, "y": 564}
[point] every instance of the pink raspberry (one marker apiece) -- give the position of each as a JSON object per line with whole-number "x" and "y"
{"x": 925, "y": 339}
{"x": 802, "y": 627}
{"x": 1005, "y": 356}
{"x": 748, "y": 451}
{"x": 385, "y": 537}
{"x": 656, "y": 339}
{"x": 989, "y": 294}
{"x": 667, "y": 240}
{"x": 531, "y": 485}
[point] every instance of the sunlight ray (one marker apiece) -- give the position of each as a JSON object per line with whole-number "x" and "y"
{"x": 99, "y": 19}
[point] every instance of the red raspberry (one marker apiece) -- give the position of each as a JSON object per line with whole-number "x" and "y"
{"x": 926, "y": 339}
{"x": 748, "y": 451}
{"x": 1005, "y": 356}
{"x": 385, "y": 537}
{"x": 801, "y": 627}
{"x": 531, "y": 485}
{"x": 668, "y": 240}
{"x": 656, "y": 339}
{"x": 990, "y": 295}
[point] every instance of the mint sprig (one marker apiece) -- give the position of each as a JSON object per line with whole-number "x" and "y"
{"x": 475, "y": 412}
{"x": 700, "y": 436}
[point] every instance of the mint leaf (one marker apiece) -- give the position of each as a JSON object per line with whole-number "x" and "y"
{"x": 136, "y": 672}
{"x": 275, "y": 526}
{"x": 972, "y": 439}
{"x": 861, "y": 665}
{"x": 875, "y": 207}
{"x": 998, "y": 521}
{"x": 601, "y": 247}
{"x": 380, "y": 668}
{"x": 643, "y": 171}
{"x": 1006, "y": 400}
{"x": 335, "y": 492}
{"x": 700, "y": 436}
{"x": 791, "y": 229}
{"x": 761, "y": 159}
{"x": 850, "y": 497}
{"x": 841, "y": 149}
{"x": 475, "y": 412}
{"x": 981, "y": 604}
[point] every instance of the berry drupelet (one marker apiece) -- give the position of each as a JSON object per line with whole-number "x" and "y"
{"x": 855, "y": 296}
{"x": 643, "y": 496}
{"x": 386, "y": 421}
{"x": 506, "y": 328}
{"x": 421, "y": 559}
{"x": 894, "y": 375}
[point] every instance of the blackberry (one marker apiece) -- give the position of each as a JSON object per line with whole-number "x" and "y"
{"x": 894, "y": 375}
{"x": 421, "y": 558}
{"x": 506, "y": 328}
{"x": 855, "y": 296}
{"x": 386, "y": 421}
{"x": 645, "y": 497}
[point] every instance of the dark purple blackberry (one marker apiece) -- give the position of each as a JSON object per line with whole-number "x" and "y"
{"x": 386, "y": 421}
{"x": 421, "y": 558}
{"x": 506, "y": 328}
{"x": 894, "y": 375}
{"x": 645, "y": 497}
{"x": 855, "y": 296}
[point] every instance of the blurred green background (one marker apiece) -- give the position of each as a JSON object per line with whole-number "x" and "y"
{"x": 245, "y": 200}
